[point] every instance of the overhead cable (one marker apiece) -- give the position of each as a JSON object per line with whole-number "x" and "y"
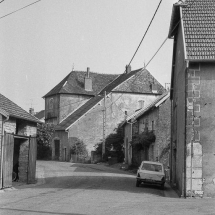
{"x": 145, "y": 33}
{"x": 19, "y": 9}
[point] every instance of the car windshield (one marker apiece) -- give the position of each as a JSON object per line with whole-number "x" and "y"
{"x": 152, "y": 167}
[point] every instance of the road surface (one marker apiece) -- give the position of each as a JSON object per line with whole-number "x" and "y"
{"x": 82, "y": 189}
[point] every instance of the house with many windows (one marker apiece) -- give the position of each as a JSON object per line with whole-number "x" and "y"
{"x": 147, "y": 133}
{"x": 88, "y": 106}
{"x": 192, "y": 28}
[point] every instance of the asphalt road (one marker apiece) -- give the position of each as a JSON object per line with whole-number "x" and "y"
{"x": 82, "y": 189}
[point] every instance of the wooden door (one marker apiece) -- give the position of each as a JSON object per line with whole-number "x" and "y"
{"x": 32, "y": 156}
{"x": 7, "y": 165}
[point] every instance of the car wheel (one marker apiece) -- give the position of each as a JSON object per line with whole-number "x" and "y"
{"x": 137, "y": 183}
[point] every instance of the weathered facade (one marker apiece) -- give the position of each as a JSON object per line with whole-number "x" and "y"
{"x": 82, "y": 111}
{"x": 192, "y": 95}
{"x": 18, "y": 143}
{"x": 156, "y": 118}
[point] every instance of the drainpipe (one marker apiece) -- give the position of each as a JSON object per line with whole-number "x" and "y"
{"x": 185, "y": 134}
{"x": 2, "y": 149}
{"x": 131, "y": 123}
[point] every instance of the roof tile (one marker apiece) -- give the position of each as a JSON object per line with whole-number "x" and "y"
{"x": 14, "y": 110}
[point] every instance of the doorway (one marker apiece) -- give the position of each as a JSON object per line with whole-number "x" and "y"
{"x": 57, "y": 149}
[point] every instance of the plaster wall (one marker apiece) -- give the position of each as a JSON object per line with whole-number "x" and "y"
{"x": 127, "y": 147}
{"x": 64, "y": 145}
{"x": 52, "y": 109}
{"x": 69, "y": 103}
{"x": 89, "y": 128}
{"x": 205, "y": 127}
{"x": 178, "y": 126}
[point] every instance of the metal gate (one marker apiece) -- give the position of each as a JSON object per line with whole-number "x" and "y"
{"x": 7, "y": 160}
{"x": 32, "y": 156}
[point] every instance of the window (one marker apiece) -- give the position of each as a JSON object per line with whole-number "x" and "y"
{"x": 146, "y": 123}
{"x": 152, "y": 167}
{"x": 51, "y": 103}
{"x": 153, "y": 126}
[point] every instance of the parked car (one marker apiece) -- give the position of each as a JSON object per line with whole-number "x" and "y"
{"x": 151, "y": 173}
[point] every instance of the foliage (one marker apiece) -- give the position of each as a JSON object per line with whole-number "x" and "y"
{"x": 144, "y": 139}
{"x": 113, "y": 145}
{"x": 78, "y": 147}
{"x": 44, "y": 136}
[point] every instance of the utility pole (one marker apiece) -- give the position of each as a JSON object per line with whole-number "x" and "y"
{"x": 104, "y": 125}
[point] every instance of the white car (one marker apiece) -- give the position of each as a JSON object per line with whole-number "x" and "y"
{"x": 151, "y": 173}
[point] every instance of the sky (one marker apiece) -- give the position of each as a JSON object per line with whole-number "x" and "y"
{"x": 42, "y": 43}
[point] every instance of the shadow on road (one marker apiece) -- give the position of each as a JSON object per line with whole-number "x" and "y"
{"x": 97, "y": 177}
{"x": 36, "y": 212}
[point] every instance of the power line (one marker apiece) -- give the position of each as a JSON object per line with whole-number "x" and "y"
{"x": 167, "y": 36}
{"x": 155, "y": 53}
{"x": 145, "y": 33}
{"x": 1, "y": 1}
{"x": 18, "y": 9}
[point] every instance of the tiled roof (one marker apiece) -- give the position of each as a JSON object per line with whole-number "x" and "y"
{"x": 199, "y": 28}
{"x": 40, "y": 115}
{"x": 140, "y": 84}
{"x": 14, "y": 110}
{"x": 110, "y": 87}
{"x": 73, "y": 83}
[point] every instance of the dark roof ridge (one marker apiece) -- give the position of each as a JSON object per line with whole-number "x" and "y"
{"x": 60, "y": 85}
{"x": 100, "y": 73}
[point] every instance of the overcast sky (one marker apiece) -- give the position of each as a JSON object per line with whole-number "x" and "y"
{"x": 40, "y": 44}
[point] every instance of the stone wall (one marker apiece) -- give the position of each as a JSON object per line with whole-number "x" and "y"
{"x": 163, "y": 136}
{"x": 158, "y": 120}
{"x": 23, "y": 160}
{"x": 89, "y": 128}
{"x": 26, "y": 128}
{"x": 200, "y": 130}
{"x": 10, "y": 126}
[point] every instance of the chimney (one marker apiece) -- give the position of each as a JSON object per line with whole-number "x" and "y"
{"x": 88, "y": 81}
{"x": 128, "y": 69}
{"x": 154, "y": 88}
{"x": 31, "y": 111}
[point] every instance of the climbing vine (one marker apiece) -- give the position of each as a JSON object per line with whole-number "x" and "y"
{"x": 144, "y": 139}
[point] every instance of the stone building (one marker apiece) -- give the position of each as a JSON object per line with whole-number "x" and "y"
{"x": 82, "y": 114}
{"x": 153, "y": 118}
{"x": 193, "y": 99}
{"x": 18, "y": 146}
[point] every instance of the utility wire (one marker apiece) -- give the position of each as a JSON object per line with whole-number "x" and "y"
{"x": 1, "y": 1}
{"x": 155, "y": 52}
{"x": 167, "y": 36}
{"x": 145, "y": 33}
{"x": 18, "y": 9}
